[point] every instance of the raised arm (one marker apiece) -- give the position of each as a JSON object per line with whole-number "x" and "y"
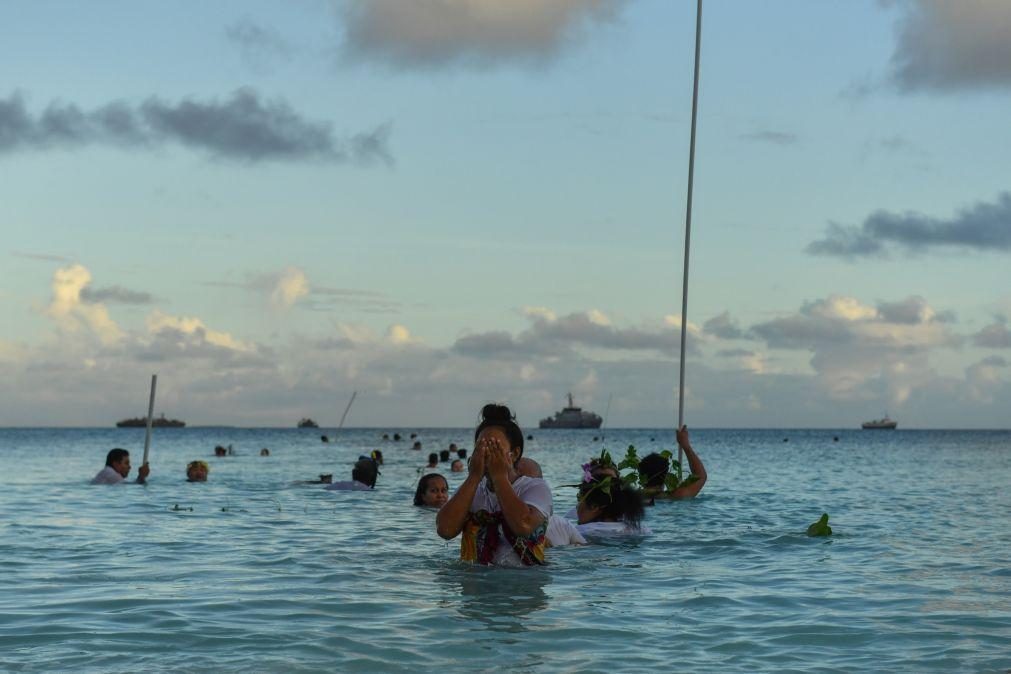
{"x": 452, "y": 516}
{"x": 521, "y": 518}
{"x": 694, "y": 465}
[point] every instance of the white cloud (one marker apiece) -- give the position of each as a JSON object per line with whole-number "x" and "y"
{"x": 419, "y": 34}
{"x": 158, "y": 322}
{"x": 290, "y": 286}
{"x": 74, "y": 315}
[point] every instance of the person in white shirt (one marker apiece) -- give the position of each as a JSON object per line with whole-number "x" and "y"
{"x": 502, "y": 515}
{"x": 117, "y": 467}
{"x": 363, "y": 476}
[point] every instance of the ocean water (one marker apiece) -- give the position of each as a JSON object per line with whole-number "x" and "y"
{"x": 251, "y": 572}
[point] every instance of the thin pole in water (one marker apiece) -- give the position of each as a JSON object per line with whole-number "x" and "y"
{"x": 150, "y": 418}
{"x": 346, "y": 410}
{"x": 603, "y": 430}
{"x": 688, "y": 221}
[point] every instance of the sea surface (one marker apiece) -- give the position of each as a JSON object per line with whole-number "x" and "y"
{"x": 252, "y": 572}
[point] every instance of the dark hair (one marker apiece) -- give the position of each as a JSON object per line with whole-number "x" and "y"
{"x": 618, "y": 502}
{"x": 499, "y": 416}
{"x": 115, "y": 456}
{"x": 653, "y": 469}
{"x": 419, "y": 493}
{"x": 444, "y": 455}
{"x": 378, "y": 456}
{"x": 433, "y": 458}
{"x": 462, "y": 453}
{"x": 365, "y": 471}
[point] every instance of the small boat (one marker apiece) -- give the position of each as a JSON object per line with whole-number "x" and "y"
{"x": 572, "y": 417}
{"x": 306, "y": 422}
{"x": 157, "y": 422}
{"x": 880, "y": 424}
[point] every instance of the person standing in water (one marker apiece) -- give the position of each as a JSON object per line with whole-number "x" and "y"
{"x": 653, "y": 471}
{"x": 117, "y": 467}
{"x": 501, "y": 514}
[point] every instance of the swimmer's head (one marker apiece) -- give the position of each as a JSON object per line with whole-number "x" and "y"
{"x": 264, "y": 452}
{"x": 653, "y": 470}
{"x": 457, "y": 466}
{"x": 365, "y": 471}
{"x": 610, "y": 500}
{"x": 432, "y": 491}
{"x": 499, "y": 420}
{"x": 377, "y": 455}
{"x": 119, "y": 460}
{"x": 196, "y": 471}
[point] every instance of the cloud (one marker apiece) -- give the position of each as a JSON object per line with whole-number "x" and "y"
{"x": 75, "y": 316}
{"x": 994, "y": 336}
{"x": 907, "y": 324}
{"x": 244, "y": 128}
{"x": 44, "y": 257}
{"x": 773, "y": 137}
{"x": 952, "y": 46}
{"x": 115, "y": 294}
{"x": 723, "y": 326}
{"x": 982, "y": 227}
{"x": 291, "y": 285}
{"x": 425, "y": 34}
{"x": 259, "y": 45}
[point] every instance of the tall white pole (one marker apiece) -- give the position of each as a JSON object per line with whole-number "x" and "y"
{"x": 346, "y": 410}
{"x": 150, "y": 418}
{"x": 688, "y": 221}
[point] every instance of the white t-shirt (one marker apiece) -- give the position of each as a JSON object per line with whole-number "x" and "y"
{"x": 563, "y": 532}
{"x": 611, "y": 529}
{"x": 107, "y": 476}
{"x": 531, "y": 490}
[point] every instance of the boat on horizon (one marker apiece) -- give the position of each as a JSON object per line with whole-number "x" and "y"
{"x": 157, "y": 422}
{"x": 884, "y": 424}
{"x": 306, "y": 422}
{"x": 572, "y": 417}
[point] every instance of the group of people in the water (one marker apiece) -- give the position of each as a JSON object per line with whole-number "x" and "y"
{"x": 503, "y": 510}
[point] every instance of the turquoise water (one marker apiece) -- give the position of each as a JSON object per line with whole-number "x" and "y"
{"x": 264, "y": 575}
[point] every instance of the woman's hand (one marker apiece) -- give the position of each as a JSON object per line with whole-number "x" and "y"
{"x": 477, "y": 460}
{"x": 682, "y": 436}
{"x": 498, "y": 459}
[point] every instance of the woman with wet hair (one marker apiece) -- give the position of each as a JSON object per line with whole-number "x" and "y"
{"x": 432, "y": 491}
{"x": 501, "y": 514}
{"x": 610, "y": 500}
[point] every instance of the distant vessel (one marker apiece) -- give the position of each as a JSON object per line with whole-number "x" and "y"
{"x": 880, "y": 424}
{"x": 306, "y": 422}
{"x": 572, "y": 417}
{"x": 157, "y": 422}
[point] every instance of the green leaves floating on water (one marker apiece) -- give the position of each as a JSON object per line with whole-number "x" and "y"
{"x": 821, "y": 527}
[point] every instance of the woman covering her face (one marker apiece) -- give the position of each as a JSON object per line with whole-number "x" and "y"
{"x": 501, "y": 514}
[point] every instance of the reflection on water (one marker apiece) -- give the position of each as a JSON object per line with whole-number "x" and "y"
{"x": 499, "y": 599}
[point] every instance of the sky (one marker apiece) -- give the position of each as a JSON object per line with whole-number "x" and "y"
{"x": 442, "y": 203}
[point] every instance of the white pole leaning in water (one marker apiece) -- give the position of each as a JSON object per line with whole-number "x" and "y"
{"x": 150, "y": 418}
{"x": 346, "y": 410}
{"x": 688, "y": 221}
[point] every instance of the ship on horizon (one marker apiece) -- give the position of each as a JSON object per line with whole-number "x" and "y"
{"x": 884, "y": 424}
{"x": 157, "y": 422}
{"x": 572, "y": 417}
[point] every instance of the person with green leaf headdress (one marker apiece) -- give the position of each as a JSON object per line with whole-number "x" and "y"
{"x": 658, "y": 481}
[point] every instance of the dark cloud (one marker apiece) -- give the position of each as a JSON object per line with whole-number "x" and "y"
{"x": 773, "y": 137}
{"x": 259, "y": 45}
{"x": 906, "y": 325}
{"x": 45, "y": 257}
{"x": 424, "y": 34}
{"x": 723, "y": 326}
{"x": 116, "y": 295}
{"x": 983, "y": 227}
{"x": 948, "y": 46}
{"x": 994, "y": 336}
{"x": 243, "y": 127}
{"x": 735, "y": 353}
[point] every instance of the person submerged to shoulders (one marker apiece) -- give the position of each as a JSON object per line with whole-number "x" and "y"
{"x": 117, "y": 468}
{"x": 501, "y": 514}
{"x": 654, "y": 472}
{"x": 363, "y": 476}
